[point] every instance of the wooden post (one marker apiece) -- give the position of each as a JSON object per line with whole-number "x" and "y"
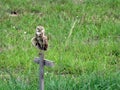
{"x": 41, "y": 61}
{"x": 41, "y": 71}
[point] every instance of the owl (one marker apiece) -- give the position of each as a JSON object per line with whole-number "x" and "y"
{"x": 40, "y": 40}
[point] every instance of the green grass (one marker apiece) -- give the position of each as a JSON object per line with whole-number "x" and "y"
{"x": 88, "y": 59}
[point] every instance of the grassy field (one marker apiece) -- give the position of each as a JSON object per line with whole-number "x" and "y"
{"x": 84, "y": 43}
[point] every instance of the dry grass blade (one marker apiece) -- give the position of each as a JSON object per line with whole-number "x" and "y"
{"x": 71, "y": 31}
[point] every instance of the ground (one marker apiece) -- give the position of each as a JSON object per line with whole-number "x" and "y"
{"x": 84, "y": 43}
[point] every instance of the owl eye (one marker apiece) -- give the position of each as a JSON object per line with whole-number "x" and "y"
{"x": 37, "y": 30}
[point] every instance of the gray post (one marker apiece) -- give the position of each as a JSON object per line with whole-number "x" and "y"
{"x": 41, "y": 62}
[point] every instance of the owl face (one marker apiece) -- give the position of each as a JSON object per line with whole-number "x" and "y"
{"x": 40, "y": 30}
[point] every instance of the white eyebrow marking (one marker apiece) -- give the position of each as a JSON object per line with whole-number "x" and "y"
{"x": 38, "y": 33}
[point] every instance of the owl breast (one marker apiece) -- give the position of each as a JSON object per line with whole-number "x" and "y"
{"x": 42, "y": 43}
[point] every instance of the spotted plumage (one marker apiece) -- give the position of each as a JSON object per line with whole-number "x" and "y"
{"x": 40, "y": 40}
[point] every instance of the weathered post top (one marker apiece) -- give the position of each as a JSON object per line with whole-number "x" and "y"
{"x": 45, "y": 62}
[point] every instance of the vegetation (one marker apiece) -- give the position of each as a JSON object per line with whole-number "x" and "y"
{"x": 84, "y": 43}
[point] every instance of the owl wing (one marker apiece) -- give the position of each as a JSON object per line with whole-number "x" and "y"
{"x": 45, "y": 43}
{"x": 34, "y": 42}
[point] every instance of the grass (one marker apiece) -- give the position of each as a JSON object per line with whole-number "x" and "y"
{"x": 84, "y": 43}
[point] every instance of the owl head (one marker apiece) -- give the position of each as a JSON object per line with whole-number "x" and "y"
{"x": 40, "y": 30}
